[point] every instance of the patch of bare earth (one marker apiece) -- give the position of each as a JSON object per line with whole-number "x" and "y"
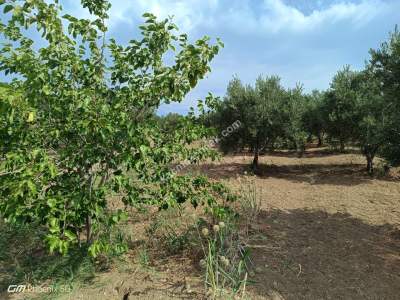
{"x": 327, "y": 230}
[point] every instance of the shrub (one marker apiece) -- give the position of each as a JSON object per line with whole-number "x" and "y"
{"x": 81, "y": 127}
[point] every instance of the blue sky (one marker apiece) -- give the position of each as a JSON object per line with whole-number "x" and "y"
{"x": 302, "y": 41}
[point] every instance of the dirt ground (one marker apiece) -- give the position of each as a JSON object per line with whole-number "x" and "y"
{"x": 326, "y": 230}
{"x": 334, "y": 183}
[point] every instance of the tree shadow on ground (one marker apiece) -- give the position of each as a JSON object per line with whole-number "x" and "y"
{"x": 303, "y": 254}
{"x": 333, "y": 174}
{"x": 311, "y": 154}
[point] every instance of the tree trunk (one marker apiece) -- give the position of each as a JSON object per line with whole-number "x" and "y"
{"x": 319, "y": 140}
{"x": 370, "y": 164}
{"x": 88, "y": 229}
{"x": 78, "y": 233}
{"x": 310, "y": 138}
{"x": 256, "y": 154}
{"x": 255, "y": 160}
{"x": 342, "y": 146}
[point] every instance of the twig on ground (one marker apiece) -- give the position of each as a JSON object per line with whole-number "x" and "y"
{"x": 299, "y": 271}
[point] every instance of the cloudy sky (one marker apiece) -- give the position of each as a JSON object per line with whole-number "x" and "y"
{"x": 302, "y": 41}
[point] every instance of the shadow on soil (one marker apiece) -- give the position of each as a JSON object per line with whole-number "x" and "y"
{"x": 333, "y": 174}
{"x": 314, "y": 152}
{"x": 304, "y": 254}
{"x": 309, "y": 153}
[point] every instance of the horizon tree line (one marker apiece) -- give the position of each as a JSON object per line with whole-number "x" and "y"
{"x": 360, "y": 108}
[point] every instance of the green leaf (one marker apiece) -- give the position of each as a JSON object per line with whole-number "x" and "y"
{"x": 70, "y": 235}
{"x": 31, "y": 186}
{"x": 143, "y": 149}
{"x": 52, "y": 203}
{"x": 88, "y": 127}
{"x": 8, "y": 8}
{"x": 31, "y": 117}
{"x": 53, "y": 242}
{"x": 52, "y": 170}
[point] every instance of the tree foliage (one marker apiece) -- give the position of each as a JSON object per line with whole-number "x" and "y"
{"x": 341, "y": 108}
{"x": 313, "y": 119}
{"x": 370, "y": 133}
{"x": 385, "y": 68}
{"x": 170, "y": 122}
{"x": 296, "y": 108}
{"x": 81, "y": 127}
{"x": 360, "y": 108}
{"x": 226, "y": 112}
{"x": 267, "y": 113}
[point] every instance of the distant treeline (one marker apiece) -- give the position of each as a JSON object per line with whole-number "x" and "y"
{"x": 360, "y": 108}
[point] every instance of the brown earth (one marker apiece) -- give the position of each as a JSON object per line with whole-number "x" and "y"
{"x": 326, "y": 230}
{"x": 319, "y": 181}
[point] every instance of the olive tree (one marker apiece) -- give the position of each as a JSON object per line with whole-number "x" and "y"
{"x": 82, "y": 128}
{"x": 259, "y": 111}
{"x": 313, "y": 119}
{"x": 170, "y": 122}
{"x": 341, "y": 112}
{"x": 385, "y": 67}
{"x": 232, "y": 108}
{"x": 295, "y": 109}
{"x": 370, "y": 133}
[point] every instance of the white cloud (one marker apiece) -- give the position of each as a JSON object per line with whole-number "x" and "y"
{"x": 279, "y": 16}
{"x": 267, "y": 36}
{"x": 187, "y": 14}
{"x": 241, "y": 15}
